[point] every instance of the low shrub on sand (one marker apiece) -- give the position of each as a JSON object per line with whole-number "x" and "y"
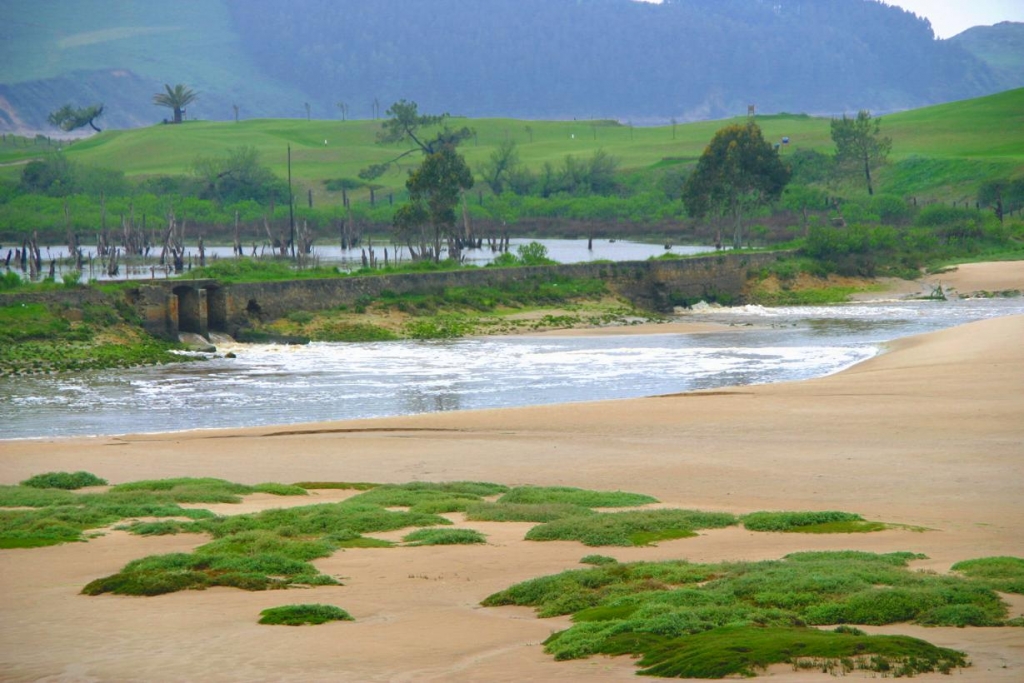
{"x": 817, "y": 522}
{"x": 64, "y": 480}
{"x": 297, "y": 615}
{"x": 444, "y": 537}
{"x": 159, "y": 574}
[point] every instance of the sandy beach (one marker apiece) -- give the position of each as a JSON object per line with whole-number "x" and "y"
{"x": 929, "y": 434}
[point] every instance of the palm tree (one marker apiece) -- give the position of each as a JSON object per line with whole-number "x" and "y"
{"x": 176, "y": 98}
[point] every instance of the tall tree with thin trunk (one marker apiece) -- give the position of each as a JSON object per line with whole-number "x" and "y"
{"x": 860, "y": 144}
{"x": 176, "y": 98}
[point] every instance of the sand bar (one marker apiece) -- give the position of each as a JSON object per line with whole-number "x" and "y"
{"x": 930, "y": 434}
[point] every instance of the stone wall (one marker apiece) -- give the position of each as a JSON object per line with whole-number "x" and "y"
{"x": 170, "y": 306}
{"x": 654, "y": 285}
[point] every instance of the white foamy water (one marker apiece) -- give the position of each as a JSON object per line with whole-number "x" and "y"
{"x": 271, "y": 384}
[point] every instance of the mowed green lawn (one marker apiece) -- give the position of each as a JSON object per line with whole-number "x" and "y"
{"x": 982, "y": 135}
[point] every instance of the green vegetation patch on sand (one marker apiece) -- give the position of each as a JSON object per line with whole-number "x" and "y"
{"x": 205, "y": 490}
{"x": 339, "y": 485}
{"x": 260, "y": 541}
{"x": 69, "y": 481}
{"x": 640, "y": 527}
{"x": 573, "y": 496}
{"x": 742, "y": 650}
{"x": 260, "y": 551}
{"x": 444, "y": 537}
{"x": 32, "y": 497}
{"x": 60, "y": 516}
{"x": 654, "y": 611}
{"x": 815, "y": 522}
{"x": 159, "y": 574}
{"x": 444, "y": 496}
{"x": 298, "y": 615}
{"x": 1004, "y": 573}
{"x": 524, "y": 512}
{"x": 322, "y": 520}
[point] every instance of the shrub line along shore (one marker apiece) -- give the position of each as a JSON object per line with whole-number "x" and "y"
{"x": 928, "y": 434}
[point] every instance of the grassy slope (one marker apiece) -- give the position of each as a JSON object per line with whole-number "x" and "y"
{"x": 963, "y": 141}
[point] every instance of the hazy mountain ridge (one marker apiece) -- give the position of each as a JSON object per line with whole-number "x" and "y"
{"x": 1001, "y": 47}
{"x": 555, "y": 59}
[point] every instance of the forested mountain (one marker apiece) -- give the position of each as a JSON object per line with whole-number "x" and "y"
{"x": 617, "y": 59}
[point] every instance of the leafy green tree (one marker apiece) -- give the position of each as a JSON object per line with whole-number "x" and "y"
{"x": 1002, "y": 195}
{"x": 238, "y": 177}
{"x": 435, "y": 189}
{"x": 737, "y": 172}
{"x": 860, "y": 144}
{"x": 501, "y": 166}
{"x": 53, "y": 176}
{"x": 176, "y": 98}
{"x": 804, "y": 200}
{"x": 69, "y": 118}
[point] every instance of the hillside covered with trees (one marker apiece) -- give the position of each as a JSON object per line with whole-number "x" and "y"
{"x": 539, "y": 59}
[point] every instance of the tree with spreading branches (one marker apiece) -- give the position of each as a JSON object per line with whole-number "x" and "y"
{"x": 176, "y": 98}
{"x": 436, "y": 187}
{"x": 406, "y": 125}
{"x": 68, "y": 118}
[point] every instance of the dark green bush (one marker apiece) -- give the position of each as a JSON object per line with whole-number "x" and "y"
{"x": 829, "y": 521}
{"x": 444, "y": 537}
{"x": 297, "y": 615}
{"x": 64, "y": 480}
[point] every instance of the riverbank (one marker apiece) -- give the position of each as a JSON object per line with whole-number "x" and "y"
{"x": 926, "y": 435}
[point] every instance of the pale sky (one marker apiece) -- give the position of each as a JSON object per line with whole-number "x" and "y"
{"x": 950, "y": 17}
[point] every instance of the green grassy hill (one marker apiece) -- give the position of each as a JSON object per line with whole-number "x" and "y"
{"x": 936, "y": 150}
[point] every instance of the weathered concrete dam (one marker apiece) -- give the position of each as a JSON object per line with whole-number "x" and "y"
{"x": 201, "y": 306}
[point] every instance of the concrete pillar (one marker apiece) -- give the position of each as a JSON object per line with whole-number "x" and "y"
{"x": 204, "y": 314}
{"x": 171, "y": 320}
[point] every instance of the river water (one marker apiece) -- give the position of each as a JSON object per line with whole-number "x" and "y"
{"x": 270, "y": 384}
{"x": 560, "y": 250}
